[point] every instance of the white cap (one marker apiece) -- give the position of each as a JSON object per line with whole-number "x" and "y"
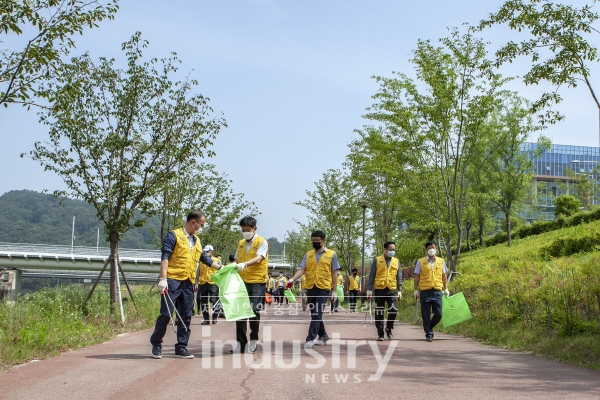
{"x": 208, "y": 247}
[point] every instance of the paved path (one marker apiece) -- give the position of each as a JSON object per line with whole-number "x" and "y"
{"x": 448, "y": 368}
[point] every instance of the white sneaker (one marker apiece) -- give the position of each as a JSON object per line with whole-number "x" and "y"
{"x": 321, "y": 341}
{"x": 309, "y": 344}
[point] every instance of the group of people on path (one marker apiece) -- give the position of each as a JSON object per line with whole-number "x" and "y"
{"x": 318, "y": 275}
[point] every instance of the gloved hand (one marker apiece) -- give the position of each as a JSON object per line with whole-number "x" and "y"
{"x": 290, "y": 284}
{"x": 369, "y": 294}
{"x": 333, "y": 296}
{"x": 446, "y": 293}
{"x": 241, "y": 266}
{"x": 416, "y": 294}
{"x": 162, "y": 285}
{"x": 399, "y": 297}
{"x": 195, "y": 288}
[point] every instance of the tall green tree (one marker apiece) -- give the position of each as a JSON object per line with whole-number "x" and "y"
{"x": 118, "y": 137}
{"x": 51, "y": 25}
{"x": 437, "y": 127}
{"x": 204, "y": 188}
{"x": 511, "y": 167}
{"x": 335, "y": 207}
{"x": 297, "y": 243}
{"x": 559, "y": 42}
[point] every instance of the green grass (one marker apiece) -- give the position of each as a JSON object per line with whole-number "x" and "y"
{"x": 522, "y": 299}
{"x": 50, "y": 321}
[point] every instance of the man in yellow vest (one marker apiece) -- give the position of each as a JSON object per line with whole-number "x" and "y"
{"x": 303, "y": 292}
{"x": 207, "y": 290}
{"x": 253, "y": 266}
{"x": 353, "y": 289}
{"x": 280, "y": 283}
{"x": 430, "y": 278}
{"x": 321, "y": 268}
{"x": 180, "y": 253}
{"x": 386, "y": 278}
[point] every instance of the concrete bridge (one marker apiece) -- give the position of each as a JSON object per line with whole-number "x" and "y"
{"x": 16, "y": 257}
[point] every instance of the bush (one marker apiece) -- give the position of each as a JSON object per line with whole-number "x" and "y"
{"x": 566, "y": 205}
{"x": 564, "y": 247}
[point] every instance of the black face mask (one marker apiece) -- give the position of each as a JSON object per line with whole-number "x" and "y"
{"x": 316, "y": 245}
{"x": 356, "y": 273}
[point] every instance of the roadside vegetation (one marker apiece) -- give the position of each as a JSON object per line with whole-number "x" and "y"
{"x": 51, "y": 321}
{"x": 523, "y": 298}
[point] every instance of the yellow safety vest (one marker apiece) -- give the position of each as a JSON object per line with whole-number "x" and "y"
{"x": 319, "y": 274}
{"x": 354, "y": 282}
{"x": 256, "y": 273}
{"x": 183, "y": 261}
{"x": 385, "y": 277}
{"x": 431, "y": 278}
{"x": 206, "y": 272}
{"x": 340, "y": 279}
{"x": 302, "y": 285}
{"x": 280, "y": 282}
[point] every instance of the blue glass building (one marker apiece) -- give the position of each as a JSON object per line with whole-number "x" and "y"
{"x": 550, "y": 168}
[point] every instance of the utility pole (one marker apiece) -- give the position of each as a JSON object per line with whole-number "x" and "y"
{"x": 73, "y": 235}
{"x": 364, "y": 207}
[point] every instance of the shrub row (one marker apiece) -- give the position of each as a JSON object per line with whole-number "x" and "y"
{"x": 564, "y": 247}
{"x": 539, "y": 227}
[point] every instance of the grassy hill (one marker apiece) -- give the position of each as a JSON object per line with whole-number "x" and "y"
{"x": 522, "y": 298}
{"x": 31, "y": 217}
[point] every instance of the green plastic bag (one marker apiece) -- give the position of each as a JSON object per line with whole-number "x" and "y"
{"x": 232, "y": 293}
{"x": 290, "y": 296}
{"x": 340, "y": 293}
{"x": 455, "y": 310}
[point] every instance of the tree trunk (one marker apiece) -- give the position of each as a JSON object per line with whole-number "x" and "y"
{"x": 507, "y": 216}
{"x": 114, "y": 252}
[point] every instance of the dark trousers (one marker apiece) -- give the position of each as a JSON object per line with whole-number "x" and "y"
{"x": 256, "y": 294}
{"x": 431, "y": 301}
{"x": 316, "y": 303}
{"x": 182, "y": 295}
{"x": 383, "y": 296}
{"x": 353, "y": 295}
{"x": 281, "y": 296}
{"x": 208, "y": 292}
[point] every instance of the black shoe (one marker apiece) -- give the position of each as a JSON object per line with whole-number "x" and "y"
{"x": 429, "y": 338}
{"x": 205, "y": 322}
{"x": 389, "y": 333}
{"x": 214, "y": 321}
{"x": 380, "y": 335}
{"x": 156, "y": 351}
{"x": 183, "y": 353}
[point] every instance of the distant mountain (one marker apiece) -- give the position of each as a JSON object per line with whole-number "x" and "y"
{"x": 31, "y": 217}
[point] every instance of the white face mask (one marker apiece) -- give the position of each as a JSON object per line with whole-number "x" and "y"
{"x": 248, "y": 235}
{"x": 199, "y": 230}
{"x": 431, "y": 252}
{"x": 391, "y": 253}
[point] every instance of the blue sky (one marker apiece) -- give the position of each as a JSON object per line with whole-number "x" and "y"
{"x": 293, "y": 79}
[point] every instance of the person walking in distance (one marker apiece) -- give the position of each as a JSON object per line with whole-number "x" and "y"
{"x": 207, "y": 290}
{"x": 321, "y": 268}
{"x": 180, "y": 253}
{"x": 386, "y": 278}
{"x": 336, "y": 303}
{"x": 253, "y": 265}
{"x": 280, "y": 284}
{"x": 353, "y": 289}
{"x": 430, "y": 280}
